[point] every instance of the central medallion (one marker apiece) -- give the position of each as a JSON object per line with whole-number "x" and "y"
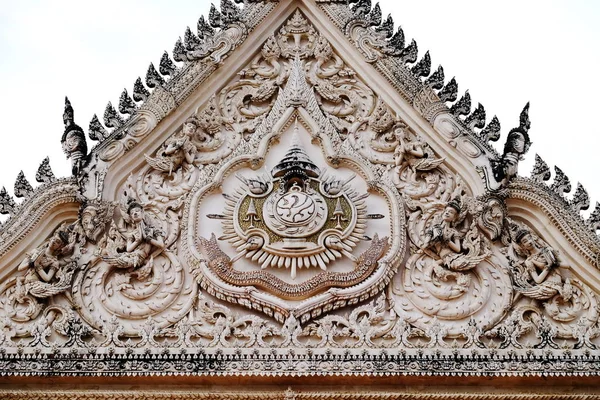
{"x": 295, "y": 212}
{"x": 295, "y": 239}
{"x": 295, "y": 218}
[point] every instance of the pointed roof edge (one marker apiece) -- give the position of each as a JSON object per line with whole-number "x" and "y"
{"x": 230, "y": 26}
{"x": 421, "y": 87}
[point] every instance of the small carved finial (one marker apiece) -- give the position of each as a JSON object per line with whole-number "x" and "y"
{"x": 166, "y": 66}
{"x": 126, "y": 104}
{"x": 204, "y": 29}
{"x": 215, "y": 17}
{"x": 581, "y": 200}
{"x": 96, "y": 130}
{"x": 7, "y": 203}
{"x": 69, "y": 114}
{"x": 44, "y": 173}
{"x": 112, "y": 119}
{"x": 561, "y": 182}
{"x": 410, "y": 53}
{"x": 374, "y": 17}
{"x": 462, "y": 106}
{"x": 423, "y": 67}
{"x": 230, "y": 13}
{"x": 190, "y": 41}
{"x": 22, "y": 186}
{"x": 540, "y": 172}
{"x": 396, "y": 43}
{"x": 450, "y": 92}
{"x": 594, "y": 219}
{"x": 179, "y": 52}
{"x": 491, "y": 133}
{"x": 153, "y": 78}
{"x": 140, "y": 93}
{"x": 362, "y": 8}
{"x": 477, "y": 118}
{"x": 524, "y": 122}
{"x": 436, "y": 80}
{"x": 387, "y": 27}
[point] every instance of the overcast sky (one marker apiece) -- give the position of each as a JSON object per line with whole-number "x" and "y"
{"x": 506, "y": 53}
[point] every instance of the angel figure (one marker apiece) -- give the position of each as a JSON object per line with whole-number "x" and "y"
{"x": 536, "y": 276}
{"x": 413, "y": 153}
{"x": 49, "y": 268}
{"x": 177, "y": 149}
{"x": 455, "y": 245}
{"x": 135, "y": 242}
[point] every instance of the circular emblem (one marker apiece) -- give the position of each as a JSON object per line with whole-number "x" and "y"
{"x": 295, "y": 213}
{"x": 295, "y": 208}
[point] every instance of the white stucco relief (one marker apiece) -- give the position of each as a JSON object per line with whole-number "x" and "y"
{"x": 296, "y": 208}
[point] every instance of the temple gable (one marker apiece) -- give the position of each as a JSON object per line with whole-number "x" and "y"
{"x": 297, "y": 190}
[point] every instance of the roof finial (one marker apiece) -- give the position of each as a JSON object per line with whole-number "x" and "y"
{"x": 524, "y": 122}
{"x": 73, "y": 139}
{"x": 69, "y": 114}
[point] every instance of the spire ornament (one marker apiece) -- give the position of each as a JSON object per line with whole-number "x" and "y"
{"x": 166, "y": 66}
{"x": 96, "y": 130}
{"x": 449, "y": 93}
{"x": 491, "y": 133}
{"x": 436, "y": 80}
{"x": 153, "y": 78}
{"x": 140, "y": 93}
{"x": 44, "y": 173}
{"x": 516, "y": 146}
{"x": 540, "y": 172}
{"x": 7, "y": 203}
{"x": 22, "y": 186}
{"x": 581, "y": 199}
{"x": 112, "y": 119}
{"x": 126, "y": 104}
{"x": 73, "y": 140}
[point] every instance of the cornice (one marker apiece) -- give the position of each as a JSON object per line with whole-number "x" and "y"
{"x": 288, "y": 394}
{"x": 37, "y": 206}
{"x": 570, "y": 224}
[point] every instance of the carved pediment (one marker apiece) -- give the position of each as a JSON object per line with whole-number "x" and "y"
{"x": 299, "y": 206}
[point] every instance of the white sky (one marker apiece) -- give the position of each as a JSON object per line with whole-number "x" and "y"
{"x": 506, "y": 53}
